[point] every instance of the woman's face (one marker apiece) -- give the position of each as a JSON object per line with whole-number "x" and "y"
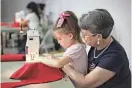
{"x": 63, "y": 39}
{"x": 89, "y": 38}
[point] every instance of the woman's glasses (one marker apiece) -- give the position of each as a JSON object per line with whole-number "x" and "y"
{"x": 84, "y": 34}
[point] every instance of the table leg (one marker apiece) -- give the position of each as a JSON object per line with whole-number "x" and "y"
{"x": 6, "y": 40}
{"x": 2, "y": 44}
{"x": 18, "y": 41}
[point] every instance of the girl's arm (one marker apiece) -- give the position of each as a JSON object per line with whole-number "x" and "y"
{"x": 24, "y": 22}
{"x": 54, "y": 62}
{"x": 94, "y": 79}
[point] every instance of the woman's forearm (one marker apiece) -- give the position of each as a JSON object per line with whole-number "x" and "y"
{"x": 92, "y": 80}
{"x": 74, "y": 75}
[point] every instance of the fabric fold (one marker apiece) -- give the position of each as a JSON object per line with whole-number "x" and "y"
{"x": 12, "y": 57}
{"x": 34, "y": 73}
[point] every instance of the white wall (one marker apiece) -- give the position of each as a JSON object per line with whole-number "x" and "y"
{"x": 119, "y": 9}
{"x": 9, "y": 7}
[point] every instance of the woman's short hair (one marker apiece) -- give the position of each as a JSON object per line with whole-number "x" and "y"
{"x": 98, "y": 21}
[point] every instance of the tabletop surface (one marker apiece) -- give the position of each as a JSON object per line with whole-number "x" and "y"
{"x": 12, "y": 29}
{"x": 8, "y": 68}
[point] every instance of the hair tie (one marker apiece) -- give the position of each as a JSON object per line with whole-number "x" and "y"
{"x": 62, "y": 18}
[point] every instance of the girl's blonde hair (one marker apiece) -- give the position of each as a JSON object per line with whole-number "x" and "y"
{"x": 68, "y": 23}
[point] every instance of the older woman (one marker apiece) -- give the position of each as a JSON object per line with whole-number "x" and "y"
{"x": 108, "y": 63}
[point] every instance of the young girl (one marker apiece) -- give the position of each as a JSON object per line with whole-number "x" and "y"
{"x": 67, "y": 33}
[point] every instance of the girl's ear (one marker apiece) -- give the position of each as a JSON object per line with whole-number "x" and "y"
{"x": 71, "y": 36}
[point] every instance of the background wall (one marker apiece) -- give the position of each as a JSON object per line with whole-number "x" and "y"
{"x": 9, "y": 7}
{"x": 119, "y": 9}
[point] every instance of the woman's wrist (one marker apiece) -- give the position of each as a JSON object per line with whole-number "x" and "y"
{"x": 68, "y": 70}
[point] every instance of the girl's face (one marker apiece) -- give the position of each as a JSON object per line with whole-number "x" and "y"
{"x": 63, "y": 39}
{"x": 89, "y": 38}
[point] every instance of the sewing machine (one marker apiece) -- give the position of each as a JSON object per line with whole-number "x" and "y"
{"x": 32, "y": 45}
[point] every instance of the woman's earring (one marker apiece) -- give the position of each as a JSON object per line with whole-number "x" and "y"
{"x": 98, "y": 42}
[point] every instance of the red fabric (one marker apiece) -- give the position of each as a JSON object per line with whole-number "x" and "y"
{"x": 5, "y": 24}
{"x": 15, "y": 24}
{"x": 12, "y": 84}
{"x": 32, "y": 73}
{"x": 12, "y": 57}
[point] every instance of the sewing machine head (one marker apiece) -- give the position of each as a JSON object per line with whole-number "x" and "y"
{"x": 32, "y": 44}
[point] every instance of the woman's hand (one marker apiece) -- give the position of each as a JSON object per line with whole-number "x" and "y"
{"x": 67, "y": 69}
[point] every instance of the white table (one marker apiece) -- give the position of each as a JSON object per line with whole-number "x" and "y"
{"x": 7, "y": 30}
{"x": 8, "y": 68}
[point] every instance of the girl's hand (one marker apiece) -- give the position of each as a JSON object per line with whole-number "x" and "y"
{"x": 49, "y": 56}
{"x": 33, "y": 61}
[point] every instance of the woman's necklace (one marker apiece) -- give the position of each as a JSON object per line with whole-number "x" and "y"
{"x": 102, "y": 51}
